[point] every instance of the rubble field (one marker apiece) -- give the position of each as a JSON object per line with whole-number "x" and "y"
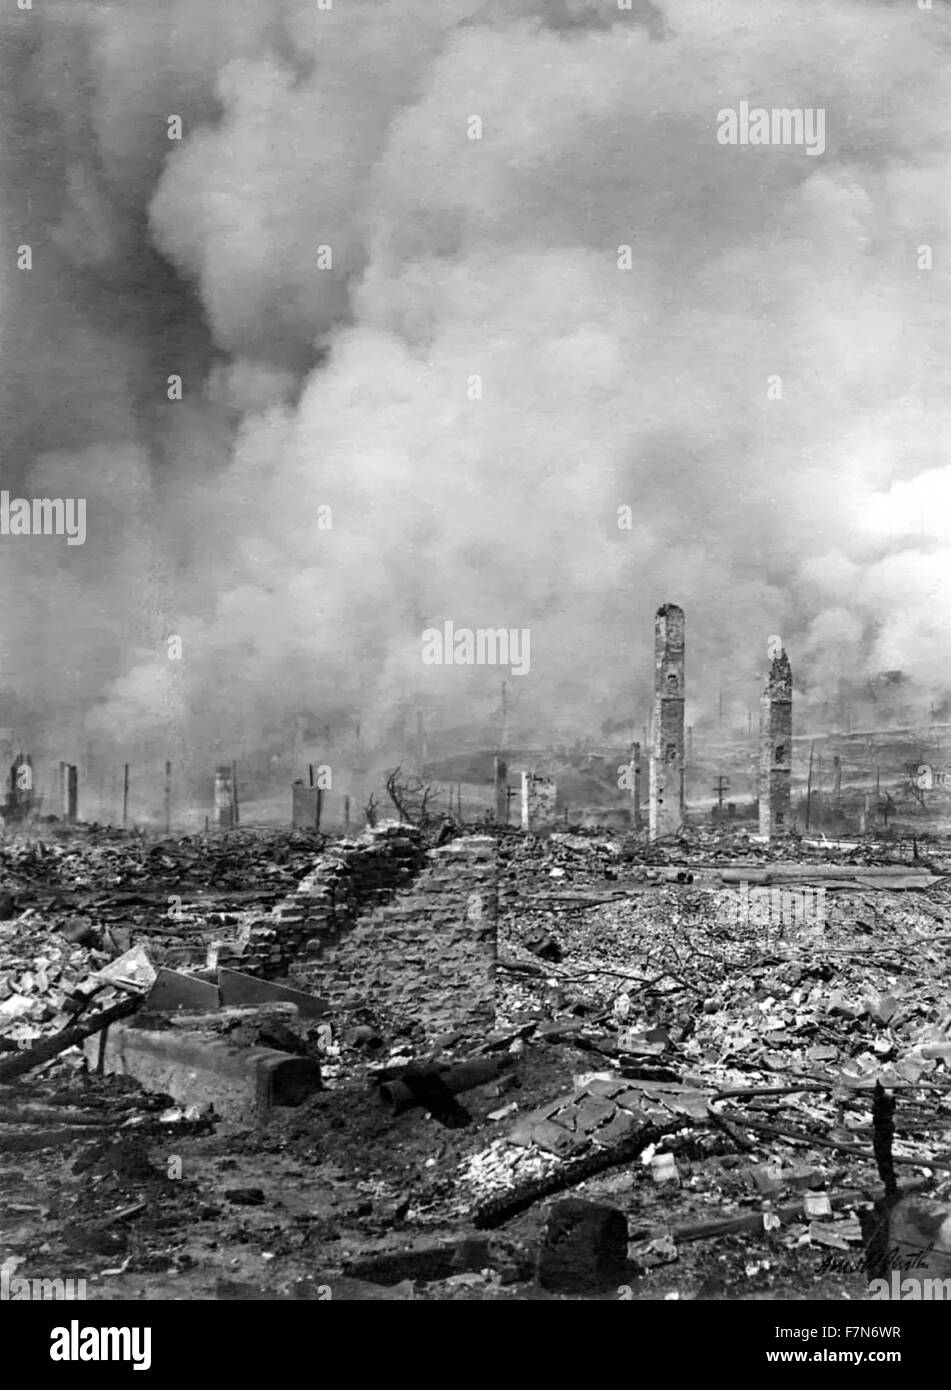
{"x": 752, "y": 1080}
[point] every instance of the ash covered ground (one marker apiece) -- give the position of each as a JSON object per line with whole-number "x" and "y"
{"x": 737, "y": 1060}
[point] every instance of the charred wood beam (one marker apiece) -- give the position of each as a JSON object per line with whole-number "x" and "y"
{"x": 45, "y": 1051}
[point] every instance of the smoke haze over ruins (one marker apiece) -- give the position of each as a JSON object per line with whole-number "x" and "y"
{"x": 823, "y": 516}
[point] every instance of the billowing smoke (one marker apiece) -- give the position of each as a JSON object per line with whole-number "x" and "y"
{"x": 386, "y": 260}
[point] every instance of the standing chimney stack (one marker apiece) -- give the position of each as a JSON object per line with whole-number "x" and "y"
{"x": 667, "y": 733}
{"x": 775, "y": 766}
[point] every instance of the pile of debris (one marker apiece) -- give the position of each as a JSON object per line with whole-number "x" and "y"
{"x": 684, "y": 1101}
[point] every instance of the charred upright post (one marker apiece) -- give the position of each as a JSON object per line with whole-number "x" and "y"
{"x": 775, "y": 767}
{"x": 667, "y": 747}
{"x": 500, "y": 771}
{"x": 635, "y": 786}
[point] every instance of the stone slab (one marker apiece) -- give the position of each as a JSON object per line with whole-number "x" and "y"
{"x": 238, "y": 989}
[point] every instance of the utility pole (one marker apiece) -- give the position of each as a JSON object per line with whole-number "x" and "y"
{"x": 235, "y": 816}
{"x": 168, "y": 796}
{"x": 812, "y": 748}
{"x": 723, "y": 785}
{"x": 125, "y": 796}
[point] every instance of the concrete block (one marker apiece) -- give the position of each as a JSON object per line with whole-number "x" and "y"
{"x": 240, "y": 1083}
{"x": 238, "y": 988}
{"x": 173, "y": 991}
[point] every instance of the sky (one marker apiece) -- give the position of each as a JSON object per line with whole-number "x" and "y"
{"x": 550, "y": 293}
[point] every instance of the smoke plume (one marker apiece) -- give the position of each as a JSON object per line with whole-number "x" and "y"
{"x": 470, "y": 381}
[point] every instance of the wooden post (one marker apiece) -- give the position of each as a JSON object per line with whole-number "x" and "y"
{"x": 878, "y": 790}
{"x": 235, "y": 807}
{"x": 809, "y": 784}
{"x": 636, "y": 786}
{"x": 168, "y": 796}
{"x": 500, "y": 775}
{"x": 125, "y": 796}
{"x": 320, "y": 806}
{"x": 459, "y": 799}
{"x": 346, "y": 814}
{"x": 837, "y": 783}
{"x": 310, "y": 773}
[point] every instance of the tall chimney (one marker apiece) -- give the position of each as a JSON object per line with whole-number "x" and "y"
{"x": 667, "y": 735}
{"x": 775, "y": 749}
{"x": 224, "y": 797}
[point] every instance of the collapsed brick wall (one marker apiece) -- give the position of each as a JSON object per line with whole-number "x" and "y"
{"x": 350, "y": 877}
{"x": 430, "y": 955}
